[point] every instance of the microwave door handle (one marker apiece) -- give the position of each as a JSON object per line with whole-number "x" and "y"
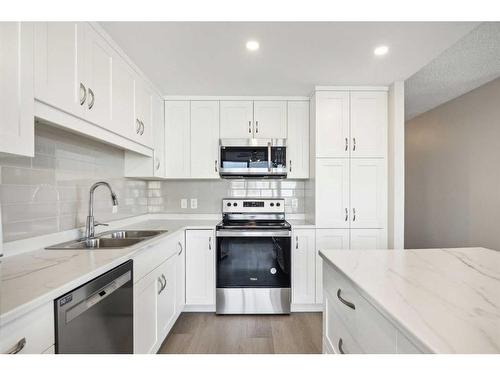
{"x": 269, "y": 156}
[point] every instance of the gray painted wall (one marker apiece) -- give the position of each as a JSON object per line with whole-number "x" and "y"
{"x": 452, "y": 177}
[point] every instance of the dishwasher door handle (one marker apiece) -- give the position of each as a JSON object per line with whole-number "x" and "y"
{"x": 98, "y": 296}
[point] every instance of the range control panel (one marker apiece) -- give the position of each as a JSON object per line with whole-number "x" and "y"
{"x": 244, "y": 205}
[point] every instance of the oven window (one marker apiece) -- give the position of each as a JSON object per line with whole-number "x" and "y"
{"x": 258, "y": 262}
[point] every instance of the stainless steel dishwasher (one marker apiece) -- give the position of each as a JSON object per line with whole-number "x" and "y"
{"x": 97, "y": 317}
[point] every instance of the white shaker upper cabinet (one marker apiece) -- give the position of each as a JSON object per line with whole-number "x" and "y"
{"x": 16, "y": 88}
{"x": 270, "y": 119}
{"x": 298, "y": 139}
{"x": 143, "y": 118}
{"x": 236, "y": 119}
{"x": 60, "y": 66}
{"x": 158, "y": 119}
{"x": 177, "y": 142}
{"x": 332, "y": 124}
{"x": 368, "y": 193}
{"x": 123, "y": 99}
{"x": 204, "y": 139}
{"x": 369, "y": 124}
{"x": 98, "y": 79}
{"x": 332, "y": 193}
{"x": 328, "y": 239}
{"x": 304, "y": 266}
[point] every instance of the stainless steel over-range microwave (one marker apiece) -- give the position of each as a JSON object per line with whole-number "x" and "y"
{"x": 257, "y": 158}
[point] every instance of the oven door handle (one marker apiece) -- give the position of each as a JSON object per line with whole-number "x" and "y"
{"x": 253, "y": 233}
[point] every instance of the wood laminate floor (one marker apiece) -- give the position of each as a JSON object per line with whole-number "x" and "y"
{"x": 246, "y": 334}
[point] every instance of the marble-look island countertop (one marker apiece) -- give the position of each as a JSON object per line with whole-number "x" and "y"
{"x": 30, "y": 279}
{"x": 448, "y": 300}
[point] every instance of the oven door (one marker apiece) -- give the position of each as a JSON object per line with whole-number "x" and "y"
{"x": 253, "y": 272}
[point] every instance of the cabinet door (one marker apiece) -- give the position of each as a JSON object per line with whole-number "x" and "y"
{"x": 368, "y": 193}
{"x": 59, "y": 66}
{"x": 200, "y": 267}
{"x": 158, "y": 136}
{"x": 328, "y": 239}
{"x": 166, "y": 297}
{"x": 303, "y": 266}
{"x": 143, "y": 98}
{"x": 145, "y": 313}
{"x": 98, "y": 78}
{"x": 368, "y": 239}
{"x": 298, "y": 139}
{"x": 16, "y": 88}
{"x": 123, "y": 99}
{"x": 180, "y": 295}
{"x": 270, "y": 119}
{"x": 332, "y": 193}
{"x": 332, "y": 124}
{"x": 204, "y": 139}
{"x": 236, "y": 119}
{"x": 177, "y": 142}
{"x": 369, "y": 124}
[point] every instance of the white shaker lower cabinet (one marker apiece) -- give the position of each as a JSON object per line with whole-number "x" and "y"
{"x": 16, "y": 88}
{"x": 167, "y": 274}
{"x": 200, "y": 268}
{"x": 327, "y": 239}
{"x": 303, "y": 266}
{"x": 32, "y": 333}
{"x": 145, "y": 313}
{"x": 180, "y": 298}
{"x": 352, "y": 325}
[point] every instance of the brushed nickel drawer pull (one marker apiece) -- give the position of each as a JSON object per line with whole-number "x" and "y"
{"x": 347, "y": 303}
{"x": 346, "y": 144}
{"x": 340, "y": 346}
{"x": 180, "y": 247}
{"x": 83, "y": 93}
{"x": 18, "y": 347}
{"x": 92, "y": 100}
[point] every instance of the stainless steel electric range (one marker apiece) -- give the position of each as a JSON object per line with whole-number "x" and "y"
{"x": 253, "y": 257}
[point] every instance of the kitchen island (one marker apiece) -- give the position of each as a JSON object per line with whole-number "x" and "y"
{"x": 412, "y": 301}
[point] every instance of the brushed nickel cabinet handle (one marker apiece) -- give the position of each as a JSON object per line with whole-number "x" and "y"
{"x": 256, "y": 126}
{"x": 83, "y": 93}
{"x": 209, "y": 243}
{"x": 142, "y": 128}
{"x": 346, "y": 144}
{"x": 250, "y": 127}
{"x": 353, "y": 214}
{"x": 216, "y": 166}
{"x": 164, "y": 281}
{"x": 160, "y": 289}
{"x": 340, "y": 346}
{"x": 137, "y": 126}
{"x": 92, "y": 100}
{"x": 345, "y": 302}
{"x": 346, "y": 214}
{"x": 157, "y": 163}
{"x": 296, "y": 242}
{"x": 354, "y": 144}
{"x": 290, "y": 165}
{"x": 180, "y": 246}
{"x": 18, "y": 347}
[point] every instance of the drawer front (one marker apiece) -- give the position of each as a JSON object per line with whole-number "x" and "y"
{"x": 337, "y": 337}
{"x": 373, "y": 332}
{"x": 148, "y": 259}
{"x": 32, "y": 333}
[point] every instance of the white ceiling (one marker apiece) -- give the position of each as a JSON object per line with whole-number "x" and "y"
{"x": 210, "y": 58}
{"x": 471, "y": 62}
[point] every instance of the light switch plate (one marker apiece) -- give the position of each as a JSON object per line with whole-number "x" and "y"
{"x": 184, "y": 203}
{"x": 194, "y": 203}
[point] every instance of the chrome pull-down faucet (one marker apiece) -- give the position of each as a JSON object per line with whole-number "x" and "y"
{"x": 91, "y": 224}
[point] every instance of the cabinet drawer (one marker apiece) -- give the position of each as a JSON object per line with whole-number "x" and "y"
{"x": 148, "y": 259}
{"x": 32, "y": 333}
{"x": 373, "y": 332}
{"x": 337, "y": 337}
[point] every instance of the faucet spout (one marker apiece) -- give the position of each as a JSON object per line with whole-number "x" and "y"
{"x": 90, "y": 225}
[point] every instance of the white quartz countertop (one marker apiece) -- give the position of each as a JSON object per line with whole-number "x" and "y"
{"x": 30, "y": 279}
{"x": 446, "y": 299}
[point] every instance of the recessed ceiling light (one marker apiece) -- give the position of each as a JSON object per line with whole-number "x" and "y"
{"x": 381, "y": 50}
{"x": 252, "y": 45}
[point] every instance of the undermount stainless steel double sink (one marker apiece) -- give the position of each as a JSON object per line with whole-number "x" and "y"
{"x": 117, "y": 239}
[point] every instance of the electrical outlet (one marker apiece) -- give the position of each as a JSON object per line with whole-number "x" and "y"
{"x": 194, "y": 203}
{"x": 184, "y": 203}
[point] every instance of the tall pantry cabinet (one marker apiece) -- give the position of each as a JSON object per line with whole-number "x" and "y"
{"x": 349, "y": 160}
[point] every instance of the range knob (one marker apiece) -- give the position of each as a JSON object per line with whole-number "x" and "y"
{"x": 229, "y": 204}
{"x": 272, "y": 204}
{"x": 278, "y": 204}
{"x": 235, "y": 204}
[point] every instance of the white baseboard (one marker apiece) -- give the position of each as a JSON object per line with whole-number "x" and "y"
{"x": 199, "y": 308}
{"x": 313, "y": 307}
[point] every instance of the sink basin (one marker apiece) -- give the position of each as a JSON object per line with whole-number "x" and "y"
{"x": 122, "y": 234}
{"x": 109, "y": 240}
